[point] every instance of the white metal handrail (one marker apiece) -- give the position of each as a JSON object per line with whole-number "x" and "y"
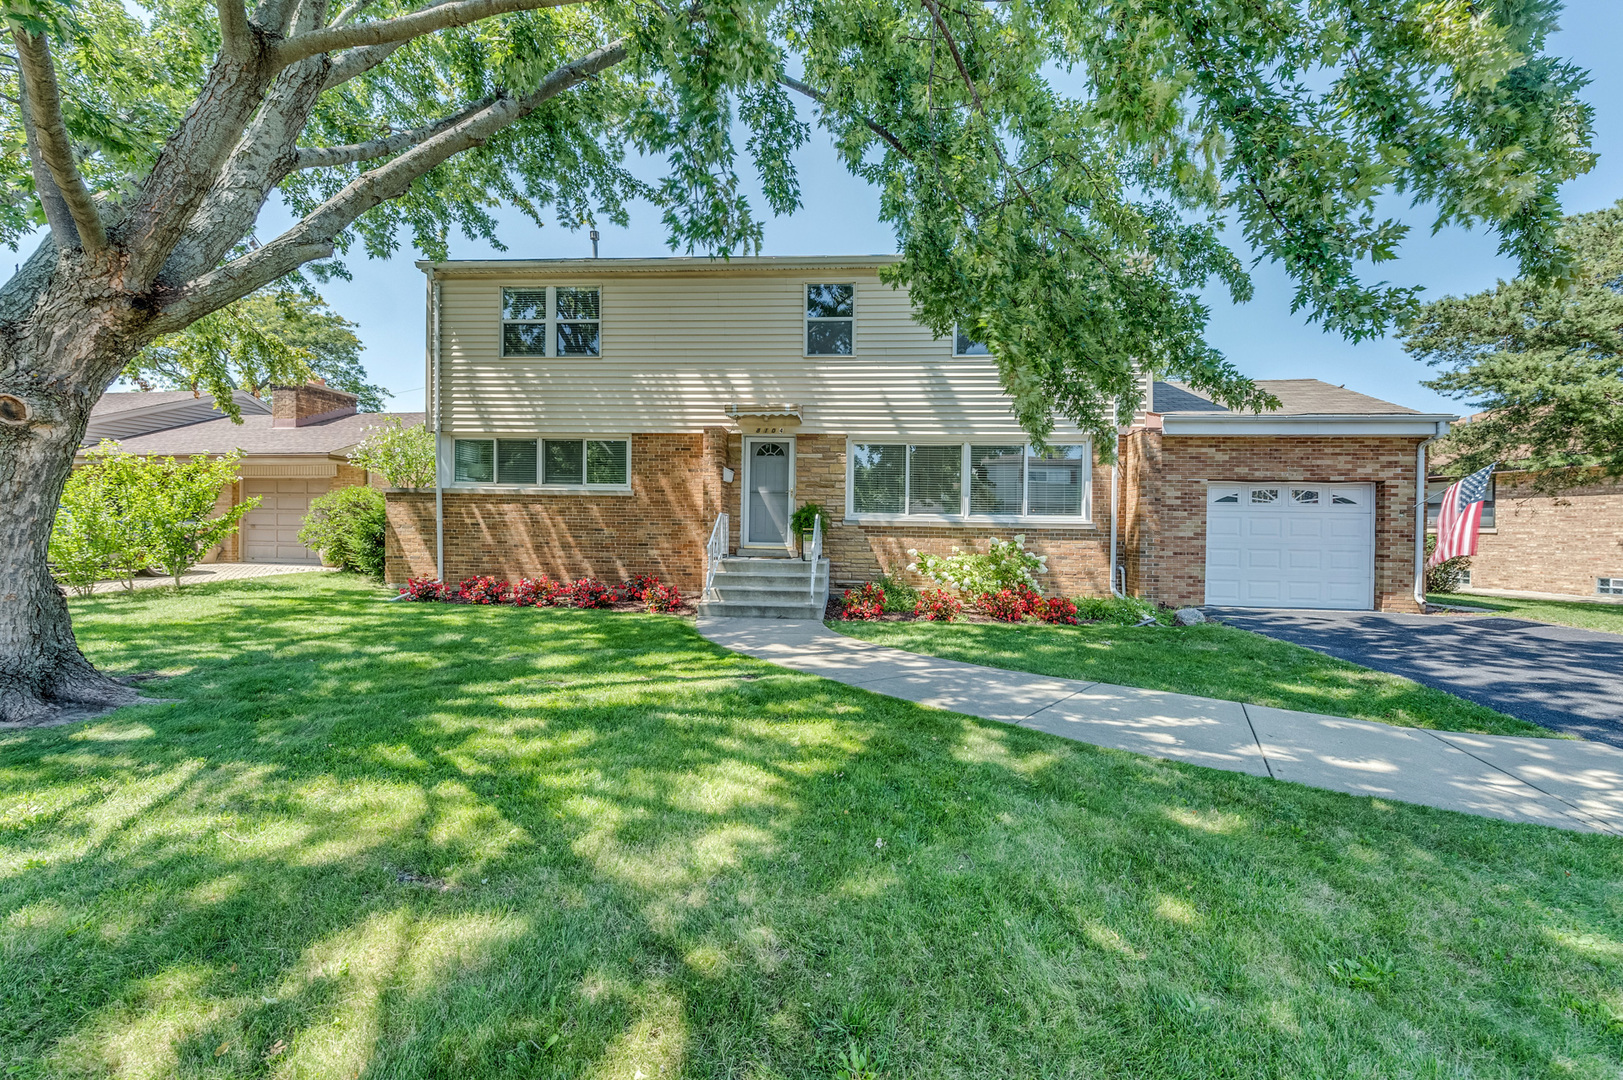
{"x": 816, "y": 551}
{"x": 715, "y": 549}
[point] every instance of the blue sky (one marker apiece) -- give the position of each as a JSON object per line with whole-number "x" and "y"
{"x": 840, "y": 218}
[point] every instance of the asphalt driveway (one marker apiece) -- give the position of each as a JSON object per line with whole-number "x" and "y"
{"x": 1566, "y": 679}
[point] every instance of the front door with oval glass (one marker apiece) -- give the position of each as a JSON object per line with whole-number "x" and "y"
{"x": 768, "y": 465}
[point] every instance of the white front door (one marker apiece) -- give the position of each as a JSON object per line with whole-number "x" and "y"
{"x": 769, "y": 466}
{"x": 1291, "y": 544}
{"x": 270, "y": 531}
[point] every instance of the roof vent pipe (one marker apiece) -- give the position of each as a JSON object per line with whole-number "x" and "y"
{"x": 593, "y": 235}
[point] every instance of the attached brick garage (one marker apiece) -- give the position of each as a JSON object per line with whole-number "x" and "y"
{"x": 1322, "y": 439}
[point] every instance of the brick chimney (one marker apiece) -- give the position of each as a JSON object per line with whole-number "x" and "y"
{"x": 296, "y": 406}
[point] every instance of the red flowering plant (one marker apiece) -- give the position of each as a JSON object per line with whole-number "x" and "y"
{"x": 484, "y": 589}
{"x": 537, "y": 592}
{"x": 636, "y": 587}
{"x": 866, "y": 603}
{"x": 662, "y": 599}
{"x": 423, "y": 589}
{"x": 590, "y": 593}
{"x": 938, "y": 605}
{"x": 1059, "y": 610}
{"x": 1005, "y": 605}
{"x": 1030, "y": 599}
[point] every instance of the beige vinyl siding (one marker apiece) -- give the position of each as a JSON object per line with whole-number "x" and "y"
{"x": 679, "y": 349}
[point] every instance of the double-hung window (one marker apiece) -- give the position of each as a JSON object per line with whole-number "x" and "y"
{"x": 830, "y": 320}
{"x": 566, "y": 463}
{"x": 970, "y": 481}
{"x": 569, "y": 317}
{"x": 964, "y": 345}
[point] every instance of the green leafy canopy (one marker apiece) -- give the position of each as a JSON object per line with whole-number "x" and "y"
{"x": 1544, "y": 363}
{"x": 1058, "y": 173}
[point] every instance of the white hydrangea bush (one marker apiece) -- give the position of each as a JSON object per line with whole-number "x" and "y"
{"x": 1006, "y": 564}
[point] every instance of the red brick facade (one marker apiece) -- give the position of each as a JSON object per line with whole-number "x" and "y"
{"x": 1555, "y": 544}
{"x": 677, "y": 491}
{"x": 1164, "y": 502}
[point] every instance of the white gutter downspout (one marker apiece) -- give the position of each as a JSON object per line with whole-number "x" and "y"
{"x": 439, "y": 490}
{"x": 1115, "y": 503}
{"x": 1420, "y": 514}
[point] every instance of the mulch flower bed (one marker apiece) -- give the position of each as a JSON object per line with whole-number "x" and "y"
{"x": 644, "y": 592}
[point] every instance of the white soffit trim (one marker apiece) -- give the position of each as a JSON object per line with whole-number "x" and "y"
{"x": 1423, "y": 425}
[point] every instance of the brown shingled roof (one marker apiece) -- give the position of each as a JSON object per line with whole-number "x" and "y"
{"x": 256, "y": 436}
{"x": 1297, "y": 397}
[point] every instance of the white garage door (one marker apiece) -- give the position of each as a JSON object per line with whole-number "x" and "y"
{"x": 1291, "y": 545}
{"x": 270, "y": 531}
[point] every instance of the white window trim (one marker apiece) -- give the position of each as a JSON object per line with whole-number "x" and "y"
{"x": 449, "y": 482}
{"x": 807, "y": 320}
{"x": 964, "y": 517}
{"x": 968, "y": 355}
{"x": 549, "y": 336}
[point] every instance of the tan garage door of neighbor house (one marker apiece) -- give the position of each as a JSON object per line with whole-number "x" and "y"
{"x": 270, "y": 531}
{"x": 1291, "y": 544}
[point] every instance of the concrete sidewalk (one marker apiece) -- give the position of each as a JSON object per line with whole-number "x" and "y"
{"x": 203, "y": 573}
{"x": 1558, "y": 782}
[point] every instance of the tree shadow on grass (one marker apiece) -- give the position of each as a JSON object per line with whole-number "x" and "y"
{"x": 398, "y": 840}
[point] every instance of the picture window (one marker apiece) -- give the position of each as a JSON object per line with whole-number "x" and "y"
{"x": 969, "y": 481}
{"x": 585, "y": 463}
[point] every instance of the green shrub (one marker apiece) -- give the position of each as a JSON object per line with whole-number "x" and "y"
{"x": 403, "y": 456}
{"x": 899, "y": 595}
{"x": 1445, "y": 576}
{"x": 1006, "y": 564}
{"x": 1125, "y": 610}
{"x": 121, "y": 513}
{"x": 346, "y": 526}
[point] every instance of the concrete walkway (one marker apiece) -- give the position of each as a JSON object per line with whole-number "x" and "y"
{"x": 1558, "y": 782}
{"x": 216, "y": 571}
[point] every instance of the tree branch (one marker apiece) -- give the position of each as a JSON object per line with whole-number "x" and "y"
{"x": 321, "y": 157}
{"x": 236, "y": 40}
{"x": 52, "y": 142}
{"x": 404, "y": 27}
{"x": 822, "y": 98}
{"x": 313, "y": 238}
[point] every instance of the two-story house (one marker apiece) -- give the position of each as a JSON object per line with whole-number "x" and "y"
{"x": 600, "y": 417}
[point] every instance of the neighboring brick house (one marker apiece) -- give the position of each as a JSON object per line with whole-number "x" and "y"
{"x": 596, "y": 417}
{"x": 294, "y": 448}
{"x": 1570, "y": 543}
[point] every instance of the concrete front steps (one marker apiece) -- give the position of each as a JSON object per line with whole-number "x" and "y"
{"x": 748, "y": 587}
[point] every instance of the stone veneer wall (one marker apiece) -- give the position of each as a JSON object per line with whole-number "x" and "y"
{"x": 1555, "y": 544}
{"x": 1166, "y": 526}
{"x": 659, "y": 528}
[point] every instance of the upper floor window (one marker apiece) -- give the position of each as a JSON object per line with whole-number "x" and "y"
{"x": 830, "y": 320}
{"x": 569, "y": 317}
{"x": 964, "y": 345}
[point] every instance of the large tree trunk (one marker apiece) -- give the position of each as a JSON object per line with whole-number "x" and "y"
{"x": 54, "y": 365}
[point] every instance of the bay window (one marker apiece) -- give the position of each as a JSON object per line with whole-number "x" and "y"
{"x": 968, "y": 481}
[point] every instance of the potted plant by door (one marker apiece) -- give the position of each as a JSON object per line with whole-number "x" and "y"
{"x": 803, "y": 521}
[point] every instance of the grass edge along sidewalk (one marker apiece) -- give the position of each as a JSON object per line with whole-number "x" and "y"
{"x": 1209, "y": 660}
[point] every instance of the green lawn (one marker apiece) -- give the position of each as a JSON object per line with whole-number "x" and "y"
{"x": 1209, "y": 660}
{"x": 394, "y": 840}
{"x": 1608, "y": 617}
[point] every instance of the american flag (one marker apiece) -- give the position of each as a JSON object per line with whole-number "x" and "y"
{"x": 1459, "y": 516}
